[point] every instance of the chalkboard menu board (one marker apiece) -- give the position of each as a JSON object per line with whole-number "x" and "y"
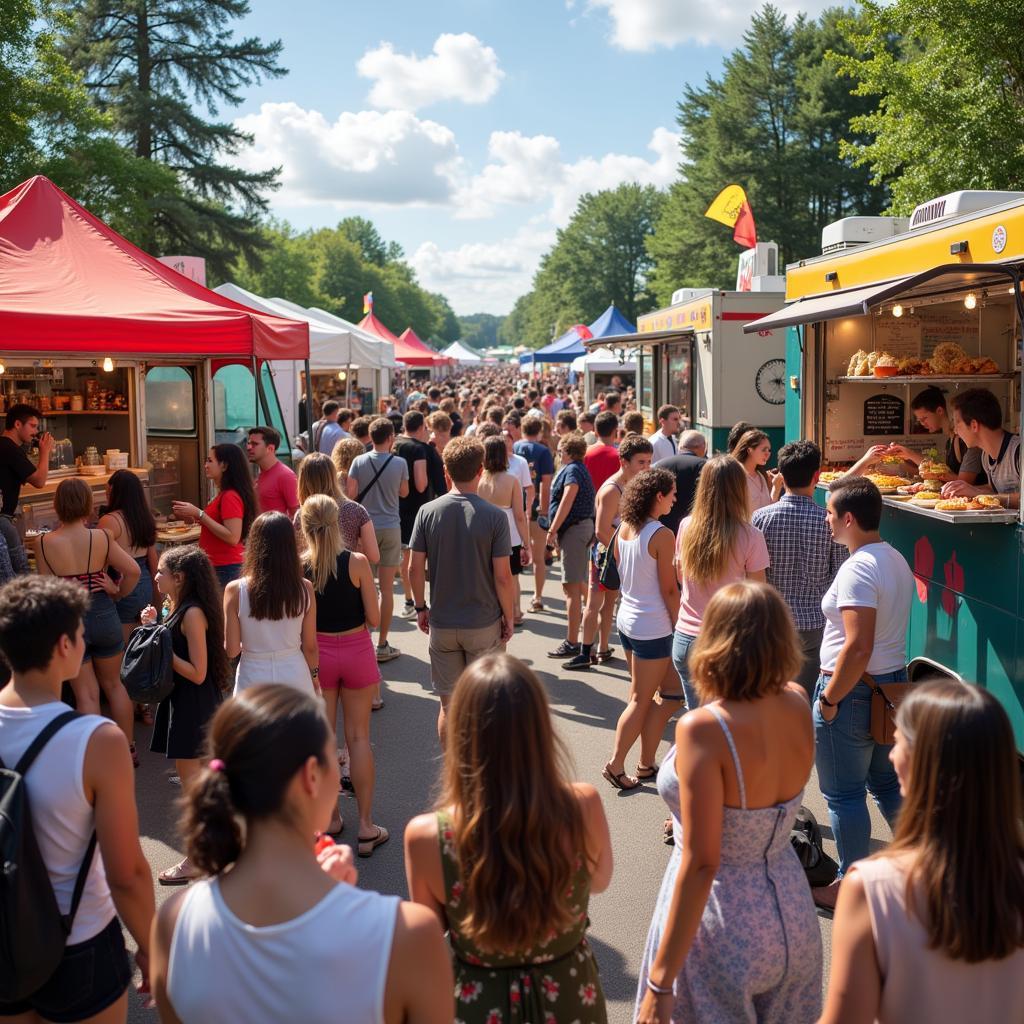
{"x": 883, "y": 415}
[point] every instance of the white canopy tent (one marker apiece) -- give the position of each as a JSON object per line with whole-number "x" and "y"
{"x": 466, "y": 356}
{"x": 367, "y": 349}
{"x": 604, "y": 360}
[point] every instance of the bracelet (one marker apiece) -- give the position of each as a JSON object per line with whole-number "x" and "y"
{"x": 658, "y": 991}
{"x": 824, "y": 700}
{"x": 200, "y": 516}
{"x": 421, "y": 608}
{"x": 315, "y": 672}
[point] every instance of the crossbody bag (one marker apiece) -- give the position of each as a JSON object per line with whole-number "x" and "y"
{"x": 376, "y": 476}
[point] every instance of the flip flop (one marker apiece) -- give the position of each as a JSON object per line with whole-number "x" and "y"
{"x": 536, "y": 606}
{"x": 616, "y": 780}
{"x": 367, "y": 846}
{"x": 176, "y": 875}
{"x": 643, "y": 771}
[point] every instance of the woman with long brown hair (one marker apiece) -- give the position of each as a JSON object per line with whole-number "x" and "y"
{"x": 715, "y": 546}
{"x": 270, "y": 611}
{"x": 752, "y": 452}
{"x": 511, "y": 855}
{"x": 318, "y": 474}
{"x": 932, "y": 928}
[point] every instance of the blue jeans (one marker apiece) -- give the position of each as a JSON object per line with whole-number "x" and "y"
{"x": 851, "y": 764}
{"x": 681, "y": 644}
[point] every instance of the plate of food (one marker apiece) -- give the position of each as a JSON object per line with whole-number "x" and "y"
{"x": 931, "y": 470}
{"x": 831, "y": 475}
{"x": 979, "y": 503}
{"x": 926, "y": 499}
{"x": 902, "y": 498}
{"x": 912, "y": 489}
{"x": 886, "y": 484}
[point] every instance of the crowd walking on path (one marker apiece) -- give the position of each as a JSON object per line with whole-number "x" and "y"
{"x": 758, "y": 627}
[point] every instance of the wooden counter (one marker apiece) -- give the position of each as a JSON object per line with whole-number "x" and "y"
{"x": 37, "y": 502}
{"x": 31, "y": 494}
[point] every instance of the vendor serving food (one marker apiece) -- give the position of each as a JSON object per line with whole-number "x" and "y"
{"x": 961, "y": 461}
{"x": 978, "y": 421}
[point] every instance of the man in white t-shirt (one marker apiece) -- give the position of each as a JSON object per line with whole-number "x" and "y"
{"x": 866, "y": 610}
{"x": 664, "y": 438}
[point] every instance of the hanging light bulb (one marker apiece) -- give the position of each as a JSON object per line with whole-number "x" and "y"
{"x": 897, "y": 311}
{"x": 108, "y": 364}
{"x": 970, "y": 300}
{"x": 3, "y": 369}
{"x": 341, "y": 375}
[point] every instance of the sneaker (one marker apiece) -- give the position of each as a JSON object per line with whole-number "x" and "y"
{"x": 385, "y": 652}
{"x": 564, "y": 650}
{"x": 409, "y": 610}
{"x": 580, "y": 663}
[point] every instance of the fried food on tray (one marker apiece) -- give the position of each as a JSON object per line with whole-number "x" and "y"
{"x": 930, "y": 470}
{"x": 830, "y": 475}
{"x": 984, "y": 365}
{"x": 953, "y": 505}
{"x": 948, "y": 357}
{"x": 987, "y": 501}
{"x": 851, "y": 370}
{"x": 926, "y": 498}
{"x": 914, "y": 488}
{"x": 885, "y": 480}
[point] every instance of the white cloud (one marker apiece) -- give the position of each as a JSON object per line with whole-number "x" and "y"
{"x": 389, "y": 157}
{"x": 484, "y": 277}
{"x": 644, "y": 25}
{"x": 460, "y": 67}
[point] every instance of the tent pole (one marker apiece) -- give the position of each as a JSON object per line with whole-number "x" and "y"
{"x": 348, "y": 383}
{"x": 309, "y": 402}
{"x": 256, "y": 389}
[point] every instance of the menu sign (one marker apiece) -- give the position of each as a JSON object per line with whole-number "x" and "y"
{"x": 883, "y": 415}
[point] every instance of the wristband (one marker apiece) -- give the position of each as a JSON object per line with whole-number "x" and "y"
{"x": 658, "y": 991}
{"x": 422, "y": 608}
{"x": 200, "y": 516}
{"x": 824, "y": 700}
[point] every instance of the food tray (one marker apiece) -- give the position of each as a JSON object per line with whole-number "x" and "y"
{"x": 976, "y": 518}
{"x": 928, "y": 378}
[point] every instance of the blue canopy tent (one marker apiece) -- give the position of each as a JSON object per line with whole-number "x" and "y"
{"x": 562, "y": 350}
{"x": 610, "y": 323}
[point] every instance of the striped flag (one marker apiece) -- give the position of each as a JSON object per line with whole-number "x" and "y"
{"x": 368, "y": 303}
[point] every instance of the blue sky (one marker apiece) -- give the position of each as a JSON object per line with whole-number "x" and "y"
{"x": 467, "y": 129}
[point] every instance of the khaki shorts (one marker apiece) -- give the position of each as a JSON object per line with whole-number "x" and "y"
{"x": 451, "y": 650}
{"x": 389, "y": 540}
{"x": 575, "y": 546}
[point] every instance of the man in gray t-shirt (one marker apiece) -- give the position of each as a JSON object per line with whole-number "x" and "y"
{"x": 377, "y": 480}
{"x": 472, "y": 591}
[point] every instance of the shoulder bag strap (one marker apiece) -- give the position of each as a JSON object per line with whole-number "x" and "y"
{"x": 376, "y": 476}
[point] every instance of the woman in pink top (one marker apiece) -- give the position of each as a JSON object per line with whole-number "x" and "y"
{"x": 752, "y": 451}
{"x": 715, "y": 546}
{"x": 932, "y": 929}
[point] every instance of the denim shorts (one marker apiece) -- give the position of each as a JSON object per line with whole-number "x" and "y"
{"x": 681, "y": 644}
{"x": 647, "y": 650}
{"x": 91, "y": 976}
{"x": 103, "y": 635}
{"x": 129, "y": 608}
{"x": 227, "y": 573}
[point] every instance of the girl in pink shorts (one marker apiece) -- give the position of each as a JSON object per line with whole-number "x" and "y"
{"x": 347, "y": 608}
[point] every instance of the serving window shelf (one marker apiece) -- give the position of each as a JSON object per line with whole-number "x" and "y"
{"x": 963, "y": 378}
{"x": 974, "y": 518}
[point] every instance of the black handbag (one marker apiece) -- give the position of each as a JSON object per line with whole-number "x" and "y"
{"x": 805, "y": 836}
{"x": 147, "y": 670}
{"x": 608, "y": 569}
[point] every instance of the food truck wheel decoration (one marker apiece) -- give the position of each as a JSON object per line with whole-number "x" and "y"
{"x": 770, "y": 381}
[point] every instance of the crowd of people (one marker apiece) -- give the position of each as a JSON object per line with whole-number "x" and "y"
{"x": 758, "y": 619}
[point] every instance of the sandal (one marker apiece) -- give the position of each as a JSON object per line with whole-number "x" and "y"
{"x": 606, "y": 655}
{"x": 367, "y": 846}
{"x": 668, "y": 835}
{"x": 617, "y": 780}
{"x": 177, "y": 875}
{"x": 536, "y": 606}
{"x": 377, "y": 705}
{"x": 643, "y": 771}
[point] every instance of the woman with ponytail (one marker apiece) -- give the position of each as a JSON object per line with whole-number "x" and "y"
{"x": 347, "y": 608}
{"x": 511, "y": 856}
{"x": 285, "y": 934}
{"x": 187, "y": 581}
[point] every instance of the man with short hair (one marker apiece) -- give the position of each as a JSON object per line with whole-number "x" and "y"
{"x": 613, "y": 402}
{"x": 585, "y": 426}
{"x": 978, "y": 421}
{"x": 804, "y": 556}
{"x": 360, "y": 430}
{"x": 276, "y": 486}
{"x": 327, "y": 432}
{"x": 664, "y": 438}
{"x": 542, "y": 470}
{"x": 378, "y": 480}
{"x": 467, "y": 544}
{"x": 602, "y": 459}
{"x": 565, "y": 422}
{"x": 21, "y": 428}
{"x": 635, "y": 455}
{"x": 686, "y": 464}
{"x": 632, "y": 423}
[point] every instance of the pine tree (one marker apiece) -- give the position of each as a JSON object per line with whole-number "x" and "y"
{"x": 146, "y": 62}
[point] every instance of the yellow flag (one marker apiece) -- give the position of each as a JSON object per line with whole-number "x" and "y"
{"x": 727, "y": 205}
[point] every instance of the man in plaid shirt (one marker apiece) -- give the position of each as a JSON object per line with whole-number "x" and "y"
{"x": 804, "y": 557}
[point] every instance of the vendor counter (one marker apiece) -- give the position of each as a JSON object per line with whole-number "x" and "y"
{"x": 36, "y": 503}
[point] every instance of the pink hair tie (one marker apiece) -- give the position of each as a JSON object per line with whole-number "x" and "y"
{"x": 217, "y": 765}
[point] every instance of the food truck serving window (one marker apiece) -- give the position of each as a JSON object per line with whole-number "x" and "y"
{"x": 645, "y": 374}
{"x": 678, "y": 367}
{"x": 170, "y": 402}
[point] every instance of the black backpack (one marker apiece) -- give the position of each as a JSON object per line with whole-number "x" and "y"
{"x": 33, "y": 931}
{"x": 805, "y": 836}
{"x": 147, "y": 669}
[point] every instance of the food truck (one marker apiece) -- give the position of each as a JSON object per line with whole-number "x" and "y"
{"x": 695, "y": 356}
{"x": 890, "y": 308}
{"x": 130, "y": 363}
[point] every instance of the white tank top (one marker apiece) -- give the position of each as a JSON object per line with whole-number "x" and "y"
{"x": 62, "y": 818}
{"x": 642, "y": 612}
{"x": 324, "y": 966}
{"x": 271, "y": 649}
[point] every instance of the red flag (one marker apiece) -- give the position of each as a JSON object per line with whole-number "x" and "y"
{"x": 745, "y": 231}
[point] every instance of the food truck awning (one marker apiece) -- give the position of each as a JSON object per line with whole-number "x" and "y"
{"x": 69, "y": 283}
{"x": 614, "y": 341}
{"x": 951, "y": 277}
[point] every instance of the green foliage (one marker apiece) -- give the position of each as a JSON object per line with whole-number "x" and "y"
{"x": 947, "y": 104}
{"x": 600, "y": 257}
{"x": 480, "y": 330}
{"x": 772, "y": 122}
{"x": 155, "y": 67}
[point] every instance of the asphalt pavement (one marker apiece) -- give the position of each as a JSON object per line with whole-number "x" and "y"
{"x": 586, "y": 707}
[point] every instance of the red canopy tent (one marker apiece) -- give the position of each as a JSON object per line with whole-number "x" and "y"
{"x": 408, "y": 348}
{"x": 68, "y": 283}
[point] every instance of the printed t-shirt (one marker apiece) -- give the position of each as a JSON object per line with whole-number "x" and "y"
{"x": 875, "y": 576}
{"x": 463, "y": 534}
{"x": 750, "y": 554}
{"x": 227, "y": 505}
{"x": 277, "y": 489}
{"x": 602, "y": 462}
{"x": 15, "y": 468}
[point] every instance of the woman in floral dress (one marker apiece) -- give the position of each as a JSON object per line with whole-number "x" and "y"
{"x": 511, "y": 856}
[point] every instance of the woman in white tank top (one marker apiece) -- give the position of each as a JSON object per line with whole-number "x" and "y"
{"x": 270, "y": 611}
{"x": 951, "y": 947}
{"x": 285, "y": 934}
{"x": 643, "y": 550}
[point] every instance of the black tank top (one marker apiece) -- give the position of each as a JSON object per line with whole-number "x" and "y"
{"x": 339, "y": 606}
